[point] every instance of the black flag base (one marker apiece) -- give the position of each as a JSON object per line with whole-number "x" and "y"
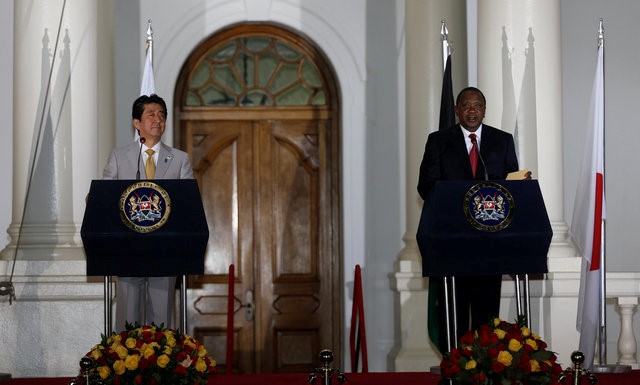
{"x": 5, "y": 377}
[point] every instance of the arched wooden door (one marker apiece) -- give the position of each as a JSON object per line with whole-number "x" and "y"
{"x": 256, "y": 107}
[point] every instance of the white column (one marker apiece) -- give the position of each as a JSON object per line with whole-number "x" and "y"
{"x": 55, "y": 127}
{"x": 627, "y": 345}
{"x": 56, "y": 89}
{"x": 413, "y": 350}
{"x": 519, "y": 70}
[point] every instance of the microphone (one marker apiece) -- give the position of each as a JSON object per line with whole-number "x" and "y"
{"x": 484, "y": 167}
{"x": 142, "y": 140}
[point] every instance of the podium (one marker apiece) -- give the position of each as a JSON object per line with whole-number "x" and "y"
{"x": 144, "y": 228}
{"x": 472, "y": 227}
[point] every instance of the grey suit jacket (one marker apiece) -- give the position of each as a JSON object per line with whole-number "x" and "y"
{"x": 172, "y": 163}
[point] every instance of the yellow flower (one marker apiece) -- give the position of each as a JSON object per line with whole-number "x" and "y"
{"x": 121, "y": 351}
{"x": 118, "y": 367}
{"x": 130, "y": 343}
{"x": 505, "y": 358}
{"x": 535, "y": 366}
{"x": 201, "y": 366}
{"x": 167, "y": 350}
{"x": 470, "y": 365}
{"x": 104, "y": 371}
{"x": 114, "y": 339}
{"x": 496, "y": 322}
{"x": 526, "y": 332}
{"x": 96, "y": 353}
{"x": 131, "y": 362}
{"x": 171, "y": 340}
{"x": 514, "y": 345}
{"x": 148, "y": 351}
{"x": 163, "y": 360}
{"x": 189, "y": 342}
{"x": 202, "y": 351}
{"x": 531, "y": 343}
{"x": 500, "y": 333}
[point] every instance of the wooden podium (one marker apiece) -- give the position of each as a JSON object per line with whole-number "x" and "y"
{"x": 174, "y": 244}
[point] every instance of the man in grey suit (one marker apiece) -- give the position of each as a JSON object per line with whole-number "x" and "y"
{"x": 147, "y": 299}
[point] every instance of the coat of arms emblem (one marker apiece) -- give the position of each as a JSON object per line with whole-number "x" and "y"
{"x": 145, "y": 206}
{"x": 488, "y": 206}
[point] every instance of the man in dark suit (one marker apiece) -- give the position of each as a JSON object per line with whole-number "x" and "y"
{"x": 446, "y": 157}
{"x": 153, "y": 294}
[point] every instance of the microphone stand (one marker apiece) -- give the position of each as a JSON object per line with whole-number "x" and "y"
{"x": 142, "y": 140}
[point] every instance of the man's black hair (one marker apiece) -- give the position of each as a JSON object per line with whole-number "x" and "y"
{"x": 138, "y": 105}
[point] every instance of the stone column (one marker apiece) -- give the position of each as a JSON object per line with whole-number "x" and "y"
{"x": 55, "y": 127}
{"x": 413, "y": 350}
{"x": 519, "y": 70}
{"x": 57, "y": 115}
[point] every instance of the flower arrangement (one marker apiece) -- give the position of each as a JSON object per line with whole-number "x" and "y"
{"x": 501, "y": 353}
{"x": 151, "y": 355}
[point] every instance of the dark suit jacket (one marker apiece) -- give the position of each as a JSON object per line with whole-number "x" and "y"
{"x": 446, "y": 157}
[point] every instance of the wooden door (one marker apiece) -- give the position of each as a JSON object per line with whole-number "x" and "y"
{"x": 256, "y": 108}
{"x": 297, "y": 293}
{"x": 267, "y": 192}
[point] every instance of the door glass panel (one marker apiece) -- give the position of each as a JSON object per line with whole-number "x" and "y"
{"x": 256, "y": 71}
{"x": 246, "y": 67}
{"x": 286, "y": 76}
{"x": 268, "y": 65}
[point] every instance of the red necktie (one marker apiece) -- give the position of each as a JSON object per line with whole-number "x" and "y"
{"x": 473, "y": 154}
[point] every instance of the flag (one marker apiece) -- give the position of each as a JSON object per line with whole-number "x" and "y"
{"x": 435, "y": 310}
{"x": 588, "y": 215}
{"x": 148, "y": 85}
{"x": 447, "y": 113}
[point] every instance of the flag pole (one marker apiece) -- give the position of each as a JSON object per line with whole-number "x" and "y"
{"x": 446, "y": 47}
{"x": 603, "y": 367}
{"x": 449, "y": 303}
{"x": 149, "y": 47}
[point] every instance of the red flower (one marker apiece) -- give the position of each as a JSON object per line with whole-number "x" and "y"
{"x": 180, "y": 370}
{"x": 138, "y": 379}
{"x": 466, "y": 352}
{"x": 484, "y": 328}
{"x": 484, "y": 338}
{"x": 449, "y": 369}
{"x": 467, "y": 338}
{"x": 497, "y": 367}
{"x": 143, "y": 363}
